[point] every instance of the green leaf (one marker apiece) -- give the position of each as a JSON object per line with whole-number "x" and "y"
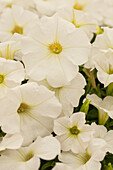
{"x": 109, "y": 91}
{"x": 47, "y": 165}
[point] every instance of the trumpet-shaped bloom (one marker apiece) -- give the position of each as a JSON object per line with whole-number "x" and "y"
{"x": 27, "y": 158}
{"x": 100, "y": 132}
{"x": 88, "y": 160}
{"x": 101, "y": 56}
{"x": 57, "y": 50}
{"x": 104, "y": 41}
{"x": 30, "y": 110}
{"x": 106, "y": 105}
{"x": 80, "y": 19}
{"x": 16, "y": 20}
{"x": 69, "y": 94}
{"x": 72, "y": 132}
{"x": 82, "y": 5}
{"x": 11, "y": 75}
{"x": 98, "y": 102}
{"x": 9, "y": 49}
{"x": 93, "y": 7}
{"x": 104, "y": 65}
{"x": 29, "y": 4}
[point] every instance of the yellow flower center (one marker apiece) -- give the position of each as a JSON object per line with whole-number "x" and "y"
{"x": 23, "y": 108}
{"x": 17, "y": 29}
{"x": 74, "y": 130}
{"x": 9, "y": 5}
{"x": 55, "y": 48}
{"x": 1, "y": 79}
{"x": 29, "y": 156}
{"x": 78, "y": 6}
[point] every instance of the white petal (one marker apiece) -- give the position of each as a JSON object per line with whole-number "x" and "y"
{"x": 11, "y": 142}
{"x": 62, "y": 166}
{"x": 61, "y": 125}
{"x": 47, "y": 148}
{"x": 109, "y": 140}
{"x": 78, "y": 119}
{"x": 74, "y": 90}
{"x": 36, "y": 125}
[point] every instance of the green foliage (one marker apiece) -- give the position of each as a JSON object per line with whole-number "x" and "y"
{"x": 48, "y": 165}
{"x": 2, "y": 134}
{"x": 92, "y": 112}
{"x": 92, "y": 115}
{"x": 109, "y": 124}
{"x": 107, "y": 163}
{"x": 109, "y": 90}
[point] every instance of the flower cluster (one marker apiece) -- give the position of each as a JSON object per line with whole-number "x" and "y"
{"x": 56, "y": 84}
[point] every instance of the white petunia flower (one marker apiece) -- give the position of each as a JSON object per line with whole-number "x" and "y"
{"x": 9, "y": 49}
{"x": 93, "y": 7}
{"x": 103, "y": 56}
{"x": 101, "y": 50}
{"x": 104, "y": 64}
{"x": 80, "y": 19}
{"x": 104, "y": 41}
{"x": 27, "y": 158}
{"x": 72, "y": 132}
{"x": 105, "y": 107}
{"x": 16, "y": 20}
{"x": 101, "y": 133}
{"x": 82, "y": 5}
{"x": 30, "y": 110}
{"x": 11, "y": 75}
{"x": 57, "y": 50}
{"x": 68, "y": 95}
{"x": 11, "y": 141}
{"x": 88, "y": 160}
{"x": 29, "y": 4}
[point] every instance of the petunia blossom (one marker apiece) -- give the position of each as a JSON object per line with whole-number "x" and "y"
{"x": 73, "y": 133}
{"x": 27, "y": 158}
{"x": 31, "y": 110}
{"x": 57, "y": 49}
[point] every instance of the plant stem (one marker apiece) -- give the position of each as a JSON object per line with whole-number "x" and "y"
{"x": 90, "y": 76}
